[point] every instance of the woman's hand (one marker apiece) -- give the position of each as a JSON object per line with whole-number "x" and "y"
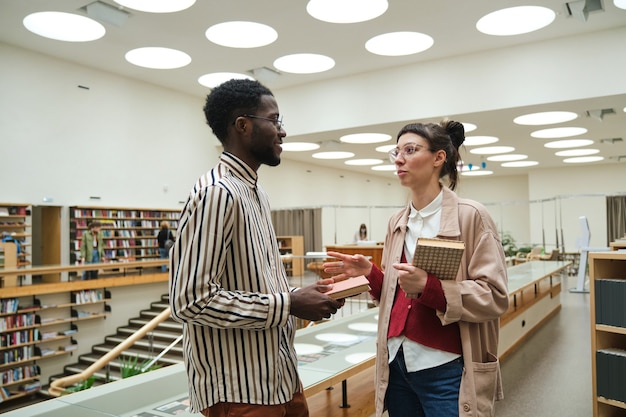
{"x": 411, "y": 279}
{"x": 348, "y": 266}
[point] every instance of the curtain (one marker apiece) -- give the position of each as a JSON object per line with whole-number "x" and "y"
{"x": 615, "y": 217}
{"x": 300, "y": 222}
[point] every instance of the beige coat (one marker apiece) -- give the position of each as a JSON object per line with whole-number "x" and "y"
{"x": 476, "y": 300}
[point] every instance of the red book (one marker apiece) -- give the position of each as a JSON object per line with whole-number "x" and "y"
{"x": 349, "y": 287}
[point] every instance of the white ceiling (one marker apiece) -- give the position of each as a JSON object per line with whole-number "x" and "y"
{"x": 450, "y": 22}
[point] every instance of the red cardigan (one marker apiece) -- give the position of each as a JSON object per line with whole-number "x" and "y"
{"x": 416, "y": 317}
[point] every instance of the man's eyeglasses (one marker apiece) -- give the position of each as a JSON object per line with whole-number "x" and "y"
{"x": 407, "y": 151}
{"x": 277, "y": 122}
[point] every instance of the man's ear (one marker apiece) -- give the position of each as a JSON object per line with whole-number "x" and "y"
{"x": 241, "y": 124}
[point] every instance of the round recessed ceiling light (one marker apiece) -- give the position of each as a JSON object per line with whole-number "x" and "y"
{"x": 157, "y": 58}
{"x": 304, "y": 63}
{"x": 469, "y": 127}
{"x": 241, "y": 34}
{"x": 383, "y": 168}
{"x": 620, "y": 4}
{"x": 568, "y": 143}
{"x": 545, "y": 118}
{"x": 399, "y": 43}
{"x": 479, "y": 140}
{"x": 385, "y": 148}
{"x": 157, "y": 6}
{"x": 299, "y": 146}
{"x": 476, "y": 173}
{"x": 507, "y": 157}
{"x": 558, "y": 132}
{"x": 488, "y": 150}
{"x": 515, "y": 20}
{"x": 577, "y": 152}
{"x": 583, "y": 159}
{"x": 216, "y": 78}
{"x": 66, "y": 27}
{"x": 519, "y": 164}
{"x": 365, "y": 138}
{"x": 363, "y": 162}
{"x": 346, "y": 11}
{"x": 333, "y": 155}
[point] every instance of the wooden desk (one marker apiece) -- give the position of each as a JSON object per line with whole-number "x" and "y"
{"x": 375, "y": 251}
{"x": 618, "y": 244}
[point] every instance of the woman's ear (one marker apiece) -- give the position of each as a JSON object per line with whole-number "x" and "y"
{"x": 440, "y": 157}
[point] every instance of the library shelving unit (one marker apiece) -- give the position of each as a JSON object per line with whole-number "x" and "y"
{"x": 15, "y": 223}
{"x": 129, "y": 233}
{"x": 608, "y": 329}
{"x": 292, "y": 245}
{"x": 31, "y": 332}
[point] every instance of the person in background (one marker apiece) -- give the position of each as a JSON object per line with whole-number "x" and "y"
{"x": 164, "y": 235}
{"x": 361, "y": 234}
{"x": 92, "y": 248}
{"x": 228, "y": 285}
{"x": 437, "y": 349}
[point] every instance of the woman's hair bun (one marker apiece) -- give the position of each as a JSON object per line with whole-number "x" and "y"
{"x": 456, "y": 132}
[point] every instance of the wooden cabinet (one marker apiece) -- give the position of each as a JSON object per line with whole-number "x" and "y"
{"x": 608, "y": 326}
{"x": 290, "y": 247}
{"x": 31, "y": 331}
{"x": 15, "y": 225}
{"x": 129, "y": 233}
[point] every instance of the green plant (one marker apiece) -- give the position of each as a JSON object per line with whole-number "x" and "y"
{"x": 131, "y": 366}
{"x": 80, "y": 386}
{"x": 508, "y": 244}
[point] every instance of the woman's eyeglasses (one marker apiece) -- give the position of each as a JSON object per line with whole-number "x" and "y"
{"x": 407, "y": 151}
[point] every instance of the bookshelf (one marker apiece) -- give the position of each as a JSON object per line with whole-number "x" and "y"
{"x": 31, "y": 331}
{"x": 607, "y": 282}
{"x": 15, "y": 221}
{"x": 128, "y": 233}
{"x": 292, "y": 245}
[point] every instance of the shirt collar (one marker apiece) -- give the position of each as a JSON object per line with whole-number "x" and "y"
{"x": 432, "y": 207}
{"x": 239, "y": 168}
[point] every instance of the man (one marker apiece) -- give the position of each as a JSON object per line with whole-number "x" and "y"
{"x": 92, "y": 248}
{"x": 227, "y": 282}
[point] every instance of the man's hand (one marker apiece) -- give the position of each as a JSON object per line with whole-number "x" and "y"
{"x": 310, "y": 303}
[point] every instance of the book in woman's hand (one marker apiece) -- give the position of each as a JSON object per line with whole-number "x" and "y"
{"x": 440, "y": 257}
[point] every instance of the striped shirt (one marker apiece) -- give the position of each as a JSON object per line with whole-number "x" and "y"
{"x": 229, "y": 288}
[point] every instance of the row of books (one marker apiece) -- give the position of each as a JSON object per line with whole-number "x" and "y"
{"x": 87, "y": 296}
{"x": 609, "y": 298}
{"x": 17, "y": 354}
{"x": 611, "y": 374}
{"x": 19, "y": 337}
{"x": 123, "y": 214}
{"x": 17, "y": 374}
{"x": 4, "y": 393}
{"x": 9, "y": 305}
{"x": 16, "y": 321}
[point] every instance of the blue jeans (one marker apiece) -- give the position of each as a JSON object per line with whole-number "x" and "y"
{"x": 163, "y": 255}
{"x": 430, "y": 392}
{"x": 95, "y": 258}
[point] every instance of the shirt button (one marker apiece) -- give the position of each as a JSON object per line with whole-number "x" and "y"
{"x": 466, "y": 407}
{"x": 409, "y": 306}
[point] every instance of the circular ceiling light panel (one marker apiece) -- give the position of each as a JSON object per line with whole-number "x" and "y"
{"x": 157, "y": 58}
{"x": 558, "y": 132}
{"x": 479, "y": 140}
{"x": 519, "y": 164}
{"x": 507, "y": 157}
{"x": 515, "y": 20}
{"x": 384, "y": 168}
{"x": 620, "y": 4}
{"x": 66, "y": 27}
{"x": 399, "y": 43}
{"x": 299, "y": 146}
{"x": 545, "y": 118}
{"x": 385, "y": 148}
{"x": 333, "y": 155}
{"x": 476, "y": 173}
{"x": 346, "y": 11}
{"x": 363, "y": 162}
{"x": 489, "y": 150}
{"x": 241, "y": 34}
{"x": 577, "y": 152}
{"x": 568, "y": 143}
{"x": 583, "y": 159}
{"x": 304, "y": 63}
{"x": 157, "y": 6}
{"x": 216, "y": 78}
{"x": 365, "y": 138}
{"x": 469, "y": 127}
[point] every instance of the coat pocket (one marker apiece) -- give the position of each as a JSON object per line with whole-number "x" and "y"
{"x": 486, "y": 383}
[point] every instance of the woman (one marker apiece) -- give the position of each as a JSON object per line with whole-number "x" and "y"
{"x": 164, "y": 235}
{"x": 437, "y": 352}
{"x": 361, "y": 234}
{"x": 92, "y": 248}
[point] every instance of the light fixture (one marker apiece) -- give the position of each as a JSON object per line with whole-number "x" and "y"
{"x": 468, "y": 127}
{"x": 568, "y": 143}
{"x": 399, "y": 43}
{"x": 383, "y": 168}
{"x": 214, "y": 79}
{"x": 241, "y": 34}
{"x": 365, "y": 138}
{"x": 515, "y": 20}
{"x": 577, "y": 152}
{"x": 299, "y": 146}
{"x": 264, "y": 74}
{"x": 479, "y": 140}
{"x": 333, "y": 155}
{"x": 346, "y": 11}
{"x": 519, "y": 164}
{"x": 507, "y": 157}
{"x": 157, "y": 6}
{"x": 558, "y": 132}
{"x": 488, "y": 150}
{"x": 66, "y": 27}
{"x": 363, "y": 162}
{"x": 477, "y": 173}
{"x": 620, "y": 4}
{"x": 545, "y": 118}
{"x": 157, "y": 57}
{"x": 583, "y": 159}
{"x": 304, "y": 63}
{"x": 385, "y": 148}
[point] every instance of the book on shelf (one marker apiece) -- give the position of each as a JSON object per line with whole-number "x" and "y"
{"x": 440, "y": 257}
{"x": 349, "y": 287}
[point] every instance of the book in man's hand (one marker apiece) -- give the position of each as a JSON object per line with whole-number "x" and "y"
{"x": 440, "y": 257}
{"x": 349, "y": 287}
